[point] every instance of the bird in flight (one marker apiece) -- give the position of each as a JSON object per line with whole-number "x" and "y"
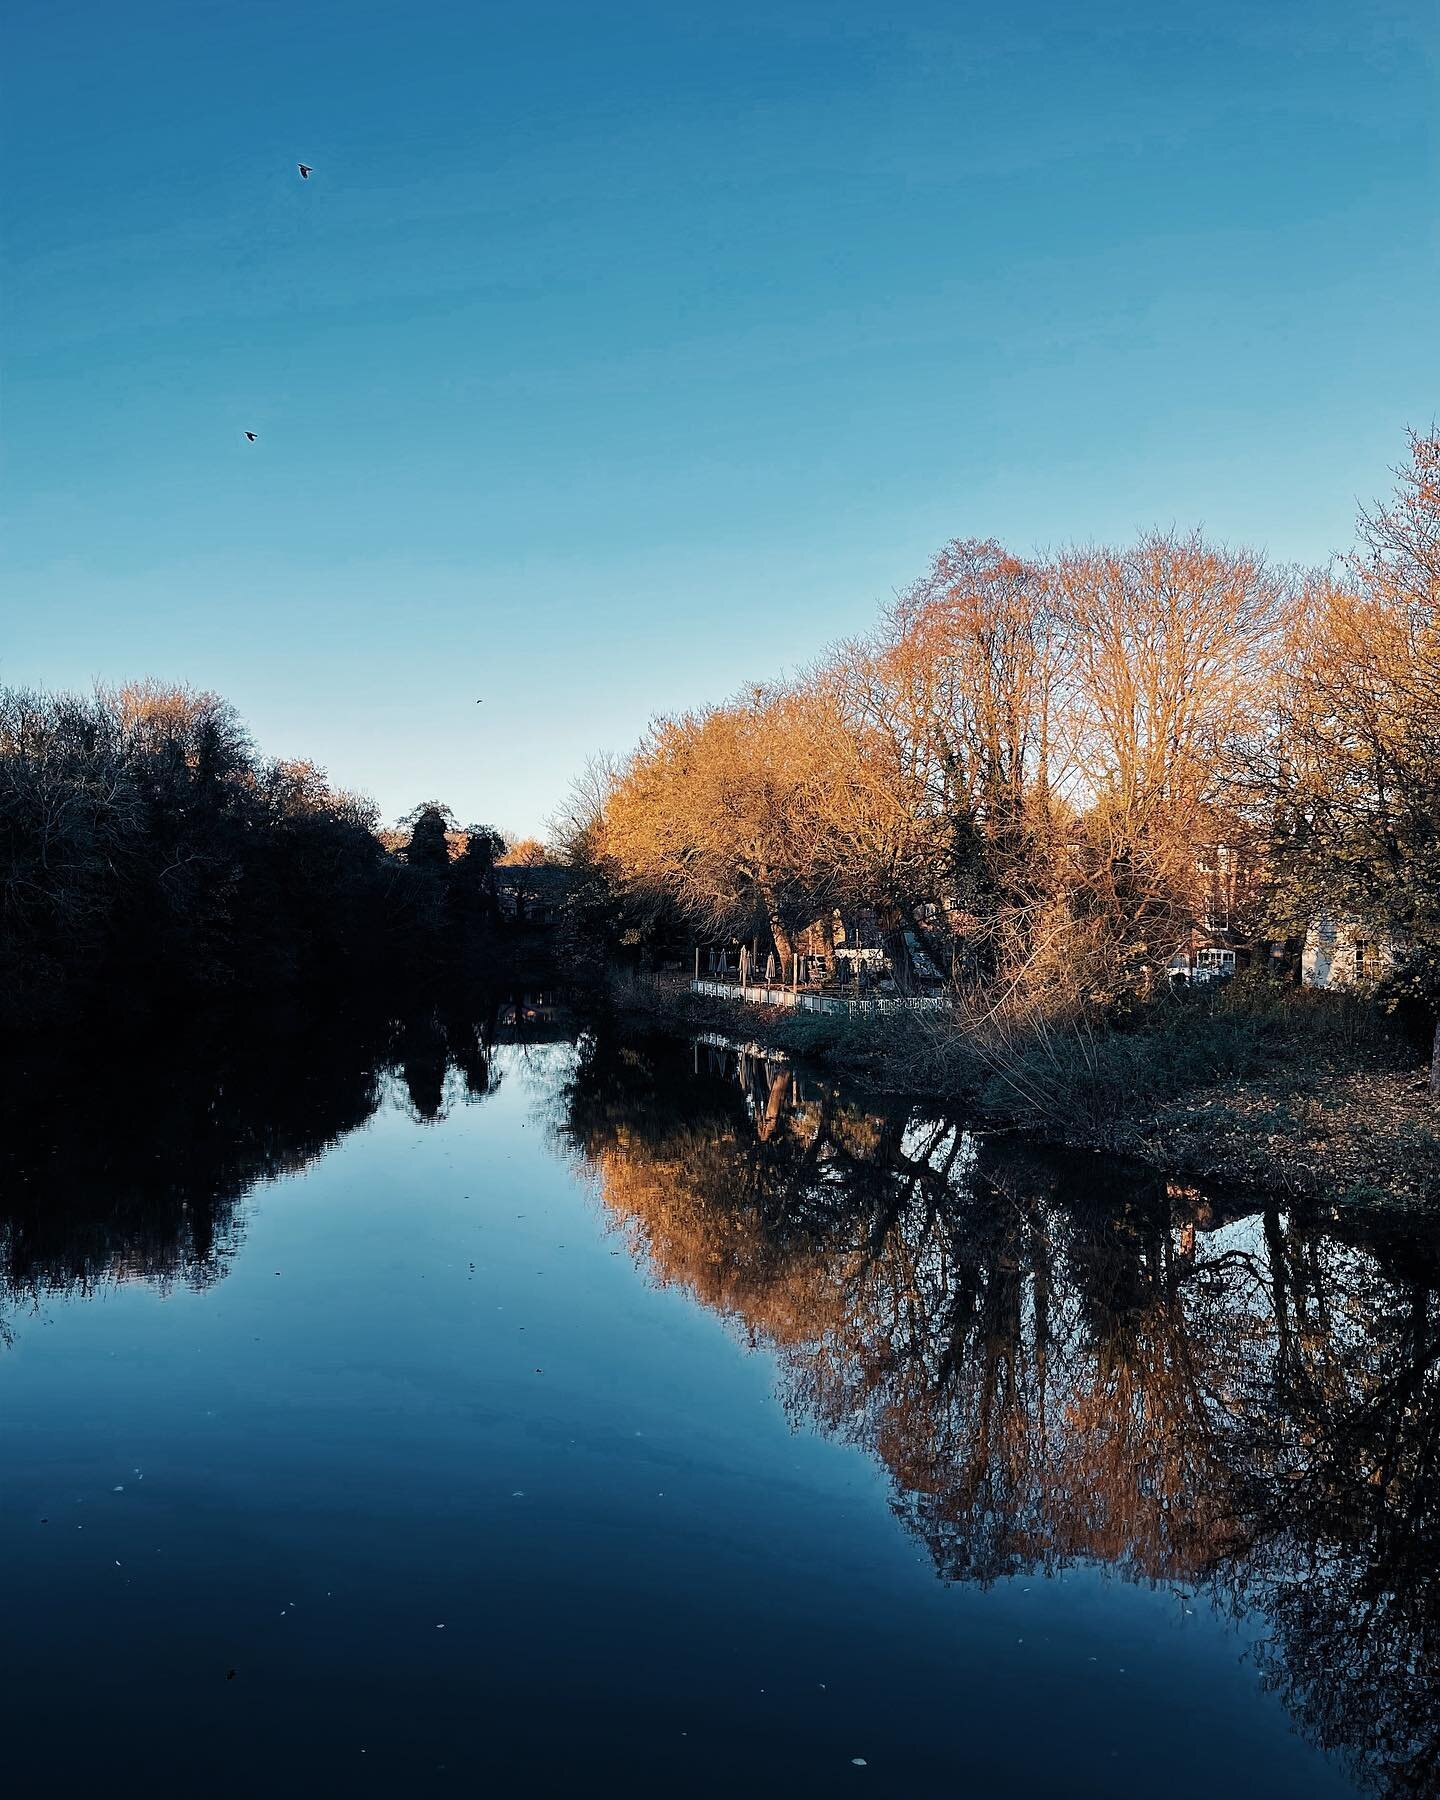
{"x": 479, "y": 702}
{"x": 304, "y": 169}
{"x": 251, "y": 436}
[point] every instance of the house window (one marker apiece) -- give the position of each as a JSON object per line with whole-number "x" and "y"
{"x": 1217, "y": 959}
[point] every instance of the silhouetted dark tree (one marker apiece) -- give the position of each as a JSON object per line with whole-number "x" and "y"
{"x": 147, "y": 846}
{"x": 473, "y": 876}
{"x": 429, "y": 845}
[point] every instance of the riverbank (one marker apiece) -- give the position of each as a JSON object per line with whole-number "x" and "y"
{"x": 1359, "y": 1138}
{"x": 1303, "y": 1094}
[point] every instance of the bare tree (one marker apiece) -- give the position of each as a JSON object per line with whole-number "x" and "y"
{"x": 1166, "y": 641}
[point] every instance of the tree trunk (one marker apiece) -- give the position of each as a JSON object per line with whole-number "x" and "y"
{"x": 925, "y": 939}
{"x": 784, "y": 943}
{"x": 890, "y": 922}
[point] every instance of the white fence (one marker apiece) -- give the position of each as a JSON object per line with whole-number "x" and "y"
{"x": 766, "y": 993}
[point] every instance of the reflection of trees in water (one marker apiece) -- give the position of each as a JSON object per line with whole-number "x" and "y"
{"x": 442, "y": 1052}
{"x": 131, "y": 1163}
{"x": 1058, "y": 1358}
{"x": 445, "y": 1053}
{"x": 1338, "y": 1488}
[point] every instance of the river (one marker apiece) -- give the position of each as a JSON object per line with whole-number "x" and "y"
{"x": 457, "y": 1406}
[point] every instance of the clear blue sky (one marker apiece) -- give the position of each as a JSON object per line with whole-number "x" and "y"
{"x": 617, "y": 353}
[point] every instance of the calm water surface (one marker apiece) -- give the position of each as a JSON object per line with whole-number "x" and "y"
{"x": 425, "y": 1412}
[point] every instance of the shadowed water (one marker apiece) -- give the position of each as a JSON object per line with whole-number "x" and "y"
{"x": 447, "y": 1405}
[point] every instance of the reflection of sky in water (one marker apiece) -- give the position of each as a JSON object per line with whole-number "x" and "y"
{"x": 433, "y": 1389}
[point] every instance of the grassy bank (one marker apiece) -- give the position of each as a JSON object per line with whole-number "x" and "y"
{"x": 1286, "y": 1089}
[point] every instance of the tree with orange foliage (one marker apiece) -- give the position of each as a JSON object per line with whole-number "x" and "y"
{"x": 955, "y": 717}
{"x": 720, "y": 810}
{"x": 1165, "y": 646}
{"x": 874, "y": 841}
{"x": 1356, "y": 734}
{"x": 522, "y": 853}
